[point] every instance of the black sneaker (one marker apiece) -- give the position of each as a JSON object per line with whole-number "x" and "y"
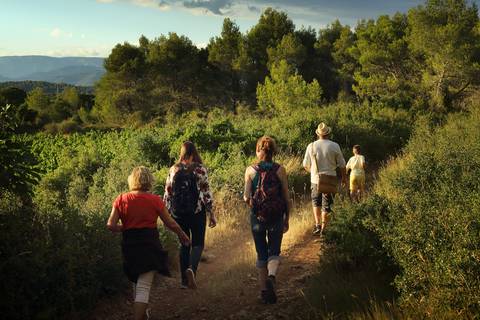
{"x": 264, "y": 296}
{"x": 271, "y": 295}
{"x": 317, "y": 230}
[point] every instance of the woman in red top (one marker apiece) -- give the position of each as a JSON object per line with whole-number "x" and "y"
{"x": 138, "y": 211}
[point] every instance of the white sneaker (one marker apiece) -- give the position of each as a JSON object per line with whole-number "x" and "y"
{"x": 191, "y": 279}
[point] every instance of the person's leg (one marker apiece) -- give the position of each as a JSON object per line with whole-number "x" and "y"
{"x": 327, "y": 201}
{"x": 274, "y": 236}
{"x": 361, "y": 189}
{"x": 316, "y": 204}
{"x": 259, "y": 238}
{"x": 352, "y": 187}
{"x": 198, "y": 239}
{"x": 142, "y": 294}
{"x": 184, "y": 254}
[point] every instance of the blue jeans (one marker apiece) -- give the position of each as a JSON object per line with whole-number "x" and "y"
{"x": 267, "y": 238}
{"x": 194, "y": 226}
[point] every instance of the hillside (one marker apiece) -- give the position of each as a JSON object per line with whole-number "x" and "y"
{"x": 83, "y": 71}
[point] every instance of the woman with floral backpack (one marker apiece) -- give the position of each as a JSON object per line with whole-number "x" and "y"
{"x": 189, "y": 200}
{"x": 266, "y": 193}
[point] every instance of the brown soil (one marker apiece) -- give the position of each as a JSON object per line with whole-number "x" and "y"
{"x": 226, "y": 289}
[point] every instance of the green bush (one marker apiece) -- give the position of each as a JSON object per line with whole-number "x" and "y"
{"x": 434, "y": 231}
{"x": 424, "y": 216}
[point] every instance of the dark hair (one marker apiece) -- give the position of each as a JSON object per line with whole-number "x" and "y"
{"x": 357, "y": 147}
{"x": 188, "y": 150}
{"x": 267, "y": 147}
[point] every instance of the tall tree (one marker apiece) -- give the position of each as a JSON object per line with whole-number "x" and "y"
{"x": 289, "y": 49}
{"x": 387, "y": 72}
{"x": 176, "y": 69}
{"x": 272, "y": 26}
{"x": 445, "y": 34}
{"x": 224, "y": 53}
{"x": 335, "y": 64}
{"x": 120, "y": 91}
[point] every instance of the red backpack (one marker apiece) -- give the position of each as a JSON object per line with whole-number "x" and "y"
{"x": 268, "y": 201}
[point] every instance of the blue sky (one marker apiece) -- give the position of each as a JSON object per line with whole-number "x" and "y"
{"x": 93, "y": 27}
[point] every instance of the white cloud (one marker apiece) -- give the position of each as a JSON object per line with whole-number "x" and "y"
{"x": 74, "y": 52}
{"x": 155, "y": 4}
{"x": 59, "y": 33}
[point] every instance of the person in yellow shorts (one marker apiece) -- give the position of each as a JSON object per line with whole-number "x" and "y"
{"x": 356, "y": 166}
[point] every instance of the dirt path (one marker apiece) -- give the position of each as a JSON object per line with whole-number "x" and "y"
{"x": 227, "y": 286}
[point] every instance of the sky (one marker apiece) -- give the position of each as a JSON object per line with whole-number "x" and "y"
{"x": 94, "y": 27}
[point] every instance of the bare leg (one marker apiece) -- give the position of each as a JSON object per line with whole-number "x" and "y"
{"x": 317, "y": 214}
{"x": 139, "y": 309}
{"x": 324, "y": 220}
{"x": 262, "y": 277}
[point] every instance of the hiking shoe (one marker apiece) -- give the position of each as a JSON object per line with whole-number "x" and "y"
{"x": 317, "y": 231}
{"x": 191, "y": 278}
{"x": 271, "y": 295}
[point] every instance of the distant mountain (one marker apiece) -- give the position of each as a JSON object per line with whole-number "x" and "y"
{"x": 81, "y": 71}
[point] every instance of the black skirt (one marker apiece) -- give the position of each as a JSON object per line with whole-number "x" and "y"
{"x": 142, "y": 252}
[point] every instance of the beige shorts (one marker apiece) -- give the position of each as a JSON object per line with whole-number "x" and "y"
{"x": 357, "y": 182}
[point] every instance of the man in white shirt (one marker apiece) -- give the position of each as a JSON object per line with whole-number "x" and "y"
{"x": 328, "y": 157}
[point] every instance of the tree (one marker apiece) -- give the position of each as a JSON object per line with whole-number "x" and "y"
{"x": 387, "y": 73}
{"x": 176, "y": 70}
{"x": 445, "y": 34}
{"x": 224, "y": 52}
{"x": 13, "y": 96}
{"x": 120, "y": 91}
{"x": 285, "y": 90}
{"x": 267, "y": 33}
{"x": 38, "y": 100}
{"x": 18, "y": 171}
{"x": 346, "y": 64}
{"x": 289, "y": 49}
{"x": 335, "y": 63}
{"x": 71, "y": 97}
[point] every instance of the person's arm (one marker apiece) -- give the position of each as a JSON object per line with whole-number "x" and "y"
{"x": 168, "y": 189}
{"x": 343, "y": 174}
{"x": 307, "y": 161}
{"x": 341, "y": 165}
{"x": 204, "y": 187}
{"x": 247, "y": 193}
{"x": 112, "y": 223}
{"x": 282, "y": 174}
{"x": 173, "y": 225}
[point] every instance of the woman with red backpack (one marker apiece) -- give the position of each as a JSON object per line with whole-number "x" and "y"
{"x": 266, "y": 193}
{"x": 189, "y": 200}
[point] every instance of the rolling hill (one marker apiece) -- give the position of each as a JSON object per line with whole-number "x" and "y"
{"x": 80, "y": 71}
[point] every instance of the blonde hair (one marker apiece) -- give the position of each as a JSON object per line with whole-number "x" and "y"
{"x": 140, "y": 179}
{"x": 267, "y": 148}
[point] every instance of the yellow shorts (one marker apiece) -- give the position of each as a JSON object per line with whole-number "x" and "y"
{"x": 357, "y": 182}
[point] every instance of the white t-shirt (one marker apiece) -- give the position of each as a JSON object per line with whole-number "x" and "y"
{"x": 328, "y": 155}
{"x": 356, "y": 164}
